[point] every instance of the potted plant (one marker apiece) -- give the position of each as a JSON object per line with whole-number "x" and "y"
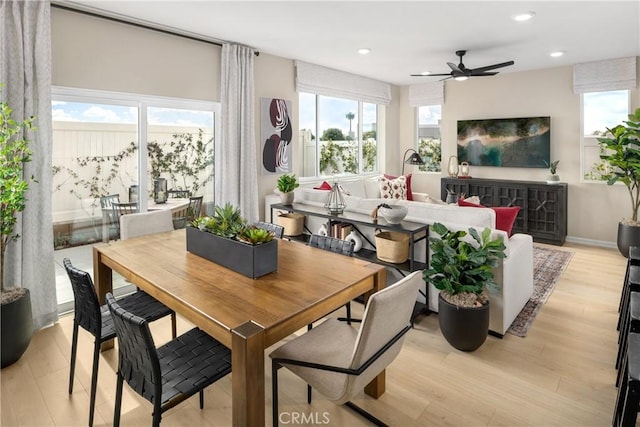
{"x": 553, "y": 178}
{"x": 462, "y": 270}
{"x": 286, "y": 184}
{"x": 15, "y": 302}
{"x": 620, "y": 154}
{"x": 226, "y": 239}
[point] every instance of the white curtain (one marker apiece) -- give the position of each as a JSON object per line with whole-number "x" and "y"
{"x": 236, "y": 177}
{"x": 25, "y": 69}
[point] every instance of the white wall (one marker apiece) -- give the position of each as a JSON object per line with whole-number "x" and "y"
{"x": 594, "y": 208}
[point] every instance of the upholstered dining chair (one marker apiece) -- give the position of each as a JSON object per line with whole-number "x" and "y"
{"x": 277, "y": 230}
{"x": 190, "y": 213}
{"x": 96, "y": 320}
{"x": 120, "y": 209}
{"x": 167, "y": 375}
{"x": 141, "y": 224}
{"x": 338, "y": 360}
{"x": 344, "y": 247}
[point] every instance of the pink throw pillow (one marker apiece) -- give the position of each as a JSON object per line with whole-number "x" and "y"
{"x": 324, "y": 186}
{"x": 505, "y": 215}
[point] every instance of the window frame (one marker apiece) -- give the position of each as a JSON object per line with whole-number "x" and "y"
{"x": 417, "y": 135}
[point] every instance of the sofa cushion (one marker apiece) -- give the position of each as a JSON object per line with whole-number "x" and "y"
{"x": 408, "y": 181}
{"x": 505, "y": 215}
{"x": 372, "y": 187}
{"x": 429, "y": 213}
{"x": 353, "y": 188}
{"x": 393, "y": 188}
{"x": 313, "y": 195}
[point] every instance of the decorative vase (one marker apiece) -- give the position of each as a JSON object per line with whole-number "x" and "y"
{"x": 248, "y": 260}
{"x": 628, "y": 235}
{"x": 286, "y": 198}
{"x": 357, "y": 241}
{"x": 553, "y": 179}
{"x": 465, "y": 328}
{"x": 393, "y": 214}
{"x": 453, "y": 167}
{"x": 16, "y": 328}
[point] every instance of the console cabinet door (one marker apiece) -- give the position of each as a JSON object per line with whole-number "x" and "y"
{"x": 514, "y": 195}
{"x": 547, "y": 213}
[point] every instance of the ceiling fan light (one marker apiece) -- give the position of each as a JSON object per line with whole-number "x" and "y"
{"x": 460, "y": 78}
{"x": 425, "y": 73}
{"x": 521, "y": 17}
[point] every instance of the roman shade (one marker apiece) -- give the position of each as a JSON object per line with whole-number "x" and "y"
{"x": 319, "y": 80}
{"x": 611, "y": 74}
{"x": 426, "y": 94}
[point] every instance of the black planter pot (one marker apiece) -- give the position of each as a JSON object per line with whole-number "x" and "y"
{"x": 465, "y": 328}
{"x": 628, "y": 235}
{"x": 16, "y": 328}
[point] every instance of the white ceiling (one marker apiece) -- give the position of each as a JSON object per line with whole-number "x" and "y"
{"x": 405, "y": 36}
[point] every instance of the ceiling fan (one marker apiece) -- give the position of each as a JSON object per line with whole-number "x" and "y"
{"x": 460, "y": 72}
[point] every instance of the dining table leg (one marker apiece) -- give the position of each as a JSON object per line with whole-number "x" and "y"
{"x": 247, "y": 377}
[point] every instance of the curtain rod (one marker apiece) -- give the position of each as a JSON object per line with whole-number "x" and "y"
{"x": 137, "y": 24}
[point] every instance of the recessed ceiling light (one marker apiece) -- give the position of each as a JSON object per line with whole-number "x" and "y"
{"x": 520, "y": 17}
{"x": 364, "y": 51}
{"x": 557, "y": 54}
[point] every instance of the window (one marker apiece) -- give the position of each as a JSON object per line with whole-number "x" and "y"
{"x": 600, "y": 110}
{"x": 429, "y": 117}
{"x": 97, "y": 151}
{"x": 338, "y": 136}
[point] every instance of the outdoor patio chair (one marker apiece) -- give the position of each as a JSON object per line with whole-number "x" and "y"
{"x": 120, "y": 209}
{"x": 169, "y": 374}
{"x": 106, "y": 202}
{"x": 192, "y": 212}
{"x": 96, "y": 320}
{"x": 338, "y": 360}
{"x": 179, "y": 194}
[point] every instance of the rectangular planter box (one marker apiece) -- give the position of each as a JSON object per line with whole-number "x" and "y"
{"x": 250, "y": 261}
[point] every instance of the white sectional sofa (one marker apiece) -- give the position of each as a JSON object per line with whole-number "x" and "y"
{"x": 514, "y": 276}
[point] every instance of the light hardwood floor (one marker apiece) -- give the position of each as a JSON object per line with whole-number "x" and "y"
{"x": 561, "y": 374}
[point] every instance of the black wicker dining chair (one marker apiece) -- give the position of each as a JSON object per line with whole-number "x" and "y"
{"x": 96, "y": 320}
{"x": 344, "y": 247}
{"x": 167, "y": 375}
{"x": 277, "y": 230}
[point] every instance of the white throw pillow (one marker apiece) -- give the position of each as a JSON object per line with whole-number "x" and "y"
{"x": 393, "y": 188}
{"x": 434, "y": 201}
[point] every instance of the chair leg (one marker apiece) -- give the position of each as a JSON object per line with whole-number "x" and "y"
{"x": 274, "y": 392}
{"x": 348, "y": 312}
{"x": 201, "y": 399}
{"x": 118, "y": 407}
{"x": 74, "y": 351}
{"x": 94, "y": 380}
{"x": 157, "y": 414}
{"x": 308, "y": 394}
{"x": 365, "y": 414}
{"x": 173, "y": 325}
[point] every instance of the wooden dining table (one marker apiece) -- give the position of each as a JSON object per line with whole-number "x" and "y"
{"x": 246, "y": 315}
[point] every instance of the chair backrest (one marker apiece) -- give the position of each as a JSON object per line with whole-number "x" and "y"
{"x": 85, "y": 300}
{"x": 138, "y": 362}
{"x": 344, "y": 247}
{"x": 388, "y": 313}
{"x": 141, "y": 224}
{"x": 179, "y": 194}
{"x": 120, "y": 209}
{"x": 106, "y": 201}
{"x": 277, "y": 230}
{"x": 194, "y": 208}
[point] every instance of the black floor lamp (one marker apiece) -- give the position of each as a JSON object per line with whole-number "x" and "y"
{"x": 414, "y": 159}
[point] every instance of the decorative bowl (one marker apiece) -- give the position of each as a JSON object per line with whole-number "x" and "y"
{"x": 393, "y": 214}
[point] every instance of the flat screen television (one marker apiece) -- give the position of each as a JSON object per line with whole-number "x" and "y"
{"x": 523, "y": 142}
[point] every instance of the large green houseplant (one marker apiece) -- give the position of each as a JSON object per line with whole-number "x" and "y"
{"x": 15, "y": 302}
{"x": 463, "y": 270}
{"x": 620, "y": 154}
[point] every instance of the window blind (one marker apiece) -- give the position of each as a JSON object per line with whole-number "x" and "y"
{"x": 319, "y": 80}
{"x": 612, "y": 74}
{"x": 426, "y": 94}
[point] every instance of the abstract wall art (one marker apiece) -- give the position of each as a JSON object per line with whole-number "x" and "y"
{"x": 276, "y": 132}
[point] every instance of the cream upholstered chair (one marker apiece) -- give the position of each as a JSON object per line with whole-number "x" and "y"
{"x": 141, "y": 224}
{"x": 338, "y": 360}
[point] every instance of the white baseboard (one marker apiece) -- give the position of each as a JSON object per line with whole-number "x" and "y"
{"x": 592, "y": 242}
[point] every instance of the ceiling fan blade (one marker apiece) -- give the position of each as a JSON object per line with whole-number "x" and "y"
{"x": 430, "y": 75}
{"x": 446, "y": 78}
{"x": 491, "y": 73}
{"x": 455, "y": 68}
{"x": 492, "y": 67}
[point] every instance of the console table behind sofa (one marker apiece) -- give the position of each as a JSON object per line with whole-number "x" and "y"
{"x": 544, "y": 206}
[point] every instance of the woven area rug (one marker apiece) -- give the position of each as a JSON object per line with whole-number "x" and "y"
{"x": 548, "y": 265}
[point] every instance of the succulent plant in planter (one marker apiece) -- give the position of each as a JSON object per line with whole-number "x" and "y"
{"x": 286, "y": 184}
{"x": 16, "y": 319}
{"x": 463, "y": 270}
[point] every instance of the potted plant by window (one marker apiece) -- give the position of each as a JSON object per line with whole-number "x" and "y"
{"x": 286, "y": 184}
{"x": 553, "y": 177}
{"x": 462, "y": 270}
{"x": 15, "y": 302}
{"x": 620, "y": 154}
